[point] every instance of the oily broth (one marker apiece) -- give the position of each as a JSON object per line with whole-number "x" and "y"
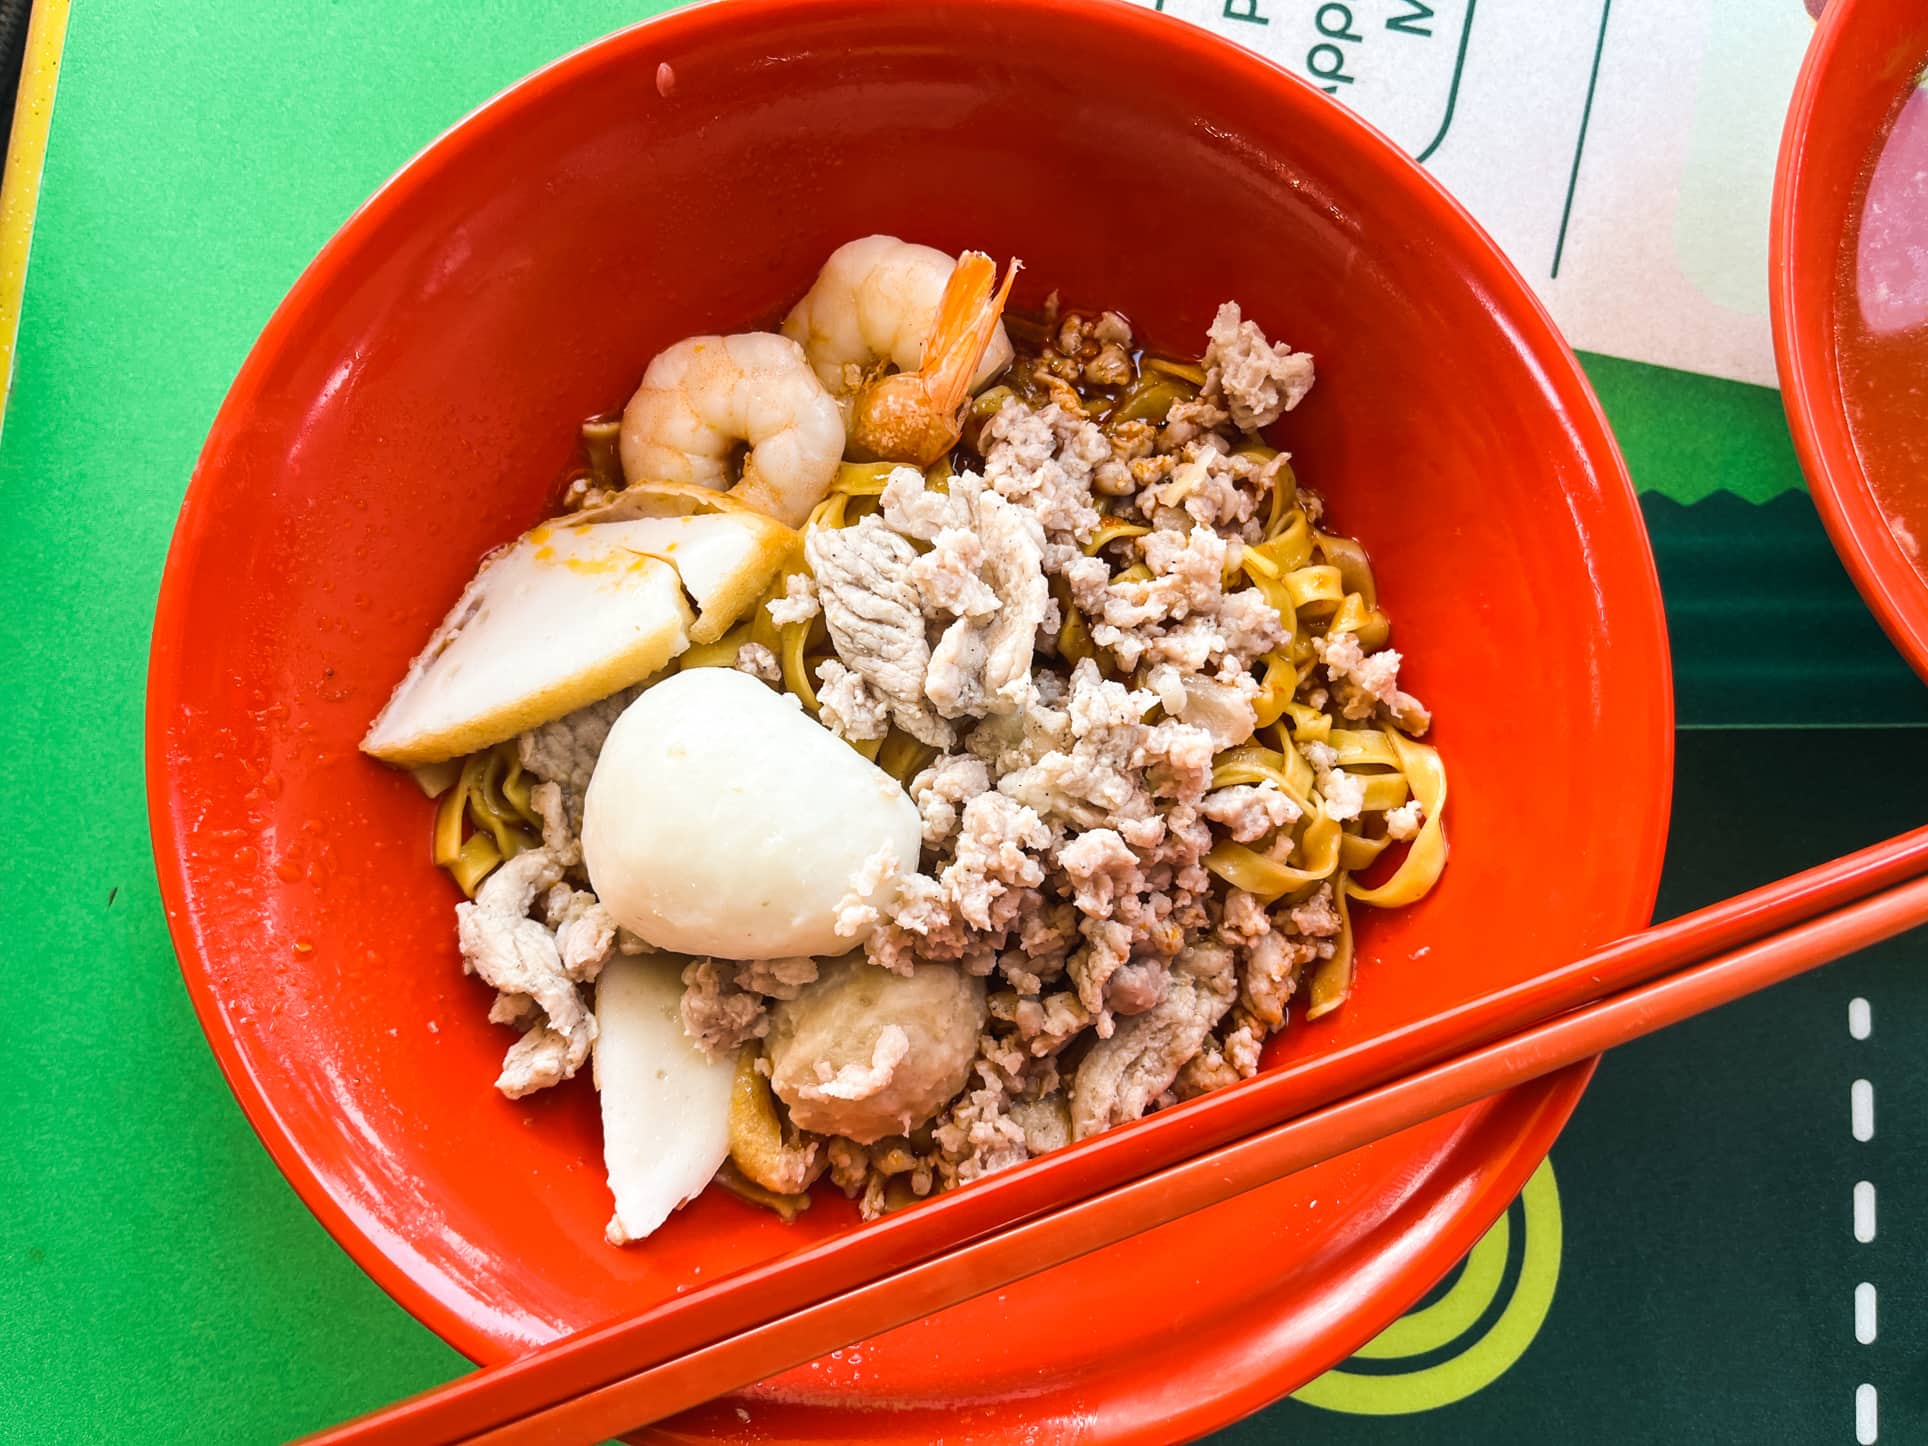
{"x": 1881, "y": 340}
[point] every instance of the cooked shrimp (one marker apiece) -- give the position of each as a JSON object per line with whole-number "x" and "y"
{"x": 916, "y": 416}
{"x": 875, "y": 301}
{"x": 707, "y": 398}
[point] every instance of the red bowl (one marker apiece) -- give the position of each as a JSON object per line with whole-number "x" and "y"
{"x": 413, "y": 402}
{"x": 1852, "y": 380}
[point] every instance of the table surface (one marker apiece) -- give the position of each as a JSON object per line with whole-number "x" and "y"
{"x": 1713, "y": 1251}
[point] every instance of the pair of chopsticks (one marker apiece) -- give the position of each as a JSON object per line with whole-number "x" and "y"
{"x": 638, "y": 1370}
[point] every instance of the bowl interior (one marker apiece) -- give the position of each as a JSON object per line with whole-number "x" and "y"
{"x": 1850, "y": 299}
{"x": 414, "y": 402}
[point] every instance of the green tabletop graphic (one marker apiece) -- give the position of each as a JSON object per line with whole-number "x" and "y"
{"x": 1727, "y": 1245}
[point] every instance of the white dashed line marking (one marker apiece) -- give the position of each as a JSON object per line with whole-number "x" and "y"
{"x": 1860, "y": 1018}
{"x": 1867, "y": 1418}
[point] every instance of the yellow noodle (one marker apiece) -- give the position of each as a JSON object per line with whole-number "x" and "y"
{"x": 1357, "y": 852}
{"x": 1250, "y": 769}
{"x": 517, "y": 786}
{"x": 1332, "y": 978}
{"x": 786, "y": 1207}
{"x": 1420, "y": 869}
{"x": 1349, "y": 557}
{"x": 1186, "y": 371}
{"x": 1383, "y": 791}
{"x": 1256, "y": 563}
{"x": 1271, "y": 587}
{"x": 790, "y": 657}
{"x": 489, "y": 812}
{"x": 862, "y": 479}
{"x": 511, "y": 827}
{"x": 827, "y": 513}
{"x": 721, "y": 653}
{"x": 1276, "y": 687}
{"x": 792, "y": 640}
{"x": 488, "y": 798}
{"x": 986, "y": 403}
{"x": 1374, "y": 631}
{"x": 1285, "y": 492}
{"x": 473, "y": 862}
{"x": 1251, "y": 763}
{"x": 1314, "y": 587}
{"x": 1150, "y": 399}
{"x": 1110, "y": 531}
{"x": 1309, "y": 725}
{"x": 1290, "y": 548}
{"x": 1074, "y": 638}
{"x": 1243, "y": 868}
{"x": 1363, "y": 747}
{"x": 489, "y": 803}
{"x": 446, "y": 842}
{"x": 1268, "y": 878}
{"x": 1349, "y": 617}
{"x": 1318, "y": 848}
{"x": 1320, "y": 585}
{"x": 902, "y": 756}
{"x": 763, "y": 627}
{"x": 1298, "y": 774}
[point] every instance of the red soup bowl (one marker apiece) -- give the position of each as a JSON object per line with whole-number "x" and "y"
{"x": 1848, "y": 283}
{"x": 414, "y": 402}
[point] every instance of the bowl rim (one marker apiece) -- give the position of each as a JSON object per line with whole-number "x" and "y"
{"x": 1539, "y": 343}
{"x": 1801, "y": 309}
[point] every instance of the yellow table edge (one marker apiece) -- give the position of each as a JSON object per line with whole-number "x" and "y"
{"x": 26, "y": 154}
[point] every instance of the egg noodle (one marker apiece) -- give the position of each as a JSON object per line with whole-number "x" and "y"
{"x": 1320, "y": 585}
{"x": 484, "y": 816}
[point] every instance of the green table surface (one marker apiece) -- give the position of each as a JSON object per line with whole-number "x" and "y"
{"x": 1688, "y": 1271}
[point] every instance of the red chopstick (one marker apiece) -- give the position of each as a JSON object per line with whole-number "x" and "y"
{"x": 669, "y": 1358}
{"x": 1155, "y": 1200}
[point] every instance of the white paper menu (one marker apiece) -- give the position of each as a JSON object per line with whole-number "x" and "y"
{"x": 1621, "y": 151}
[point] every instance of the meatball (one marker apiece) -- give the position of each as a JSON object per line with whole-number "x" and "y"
{"x": 867, "y": 1053}
{"x": 721, "y": 821}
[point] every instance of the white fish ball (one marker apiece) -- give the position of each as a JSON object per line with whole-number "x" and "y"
{"x": 722, "y": 820}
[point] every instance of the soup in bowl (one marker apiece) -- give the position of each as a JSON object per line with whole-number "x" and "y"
{"x": 1849, "y": 291}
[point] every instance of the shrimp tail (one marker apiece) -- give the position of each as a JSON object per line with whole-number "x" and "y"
{"x": 915, "y": 416}
{"x": 967, "y": 319}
